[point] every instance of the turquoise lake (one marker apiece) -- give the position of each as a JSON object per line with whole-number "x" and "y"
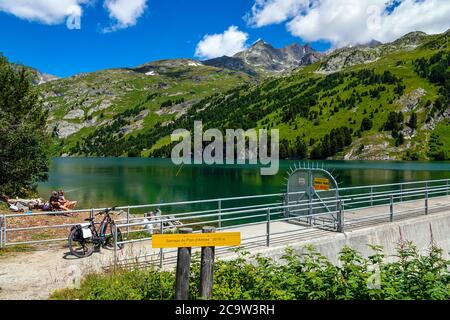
{"x": 104, "y": 182}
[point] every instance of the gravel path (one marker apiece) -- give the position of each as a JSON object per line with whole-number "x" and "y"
{"x": 35, "y": 275}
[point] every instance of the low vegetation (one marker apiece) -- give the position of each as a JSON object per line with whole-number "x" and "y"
{"x": 309, "y": 276}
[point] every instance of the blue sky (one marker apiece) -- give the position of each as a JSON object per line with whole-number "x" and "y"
{"x": 36, "y": 34}
{"x": 168, "y": 29}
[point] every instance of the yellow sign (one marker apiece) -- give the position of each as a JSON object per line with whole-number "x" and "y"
{"x": 225, "y": 239}
{"x": 321, "y": 184}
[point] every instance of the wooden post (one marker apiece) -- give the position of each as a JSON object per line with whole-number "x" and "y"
{"x": 207, "y": 268}
{"x": 183, "y": 270}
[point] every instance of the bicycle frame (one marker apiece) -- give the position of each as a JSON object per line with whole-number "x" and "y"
{"x": 99, "y": 235}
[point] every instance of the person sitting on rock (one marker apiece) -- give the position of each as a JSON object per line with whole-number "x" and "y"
{"x": 66, "y": 203}
{"x": 56, "y": 204}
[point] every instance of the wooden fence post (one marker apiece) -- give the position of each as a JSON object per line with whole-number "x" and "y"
{"x": 207, "y": 268}
{"x": 183, "y": 270}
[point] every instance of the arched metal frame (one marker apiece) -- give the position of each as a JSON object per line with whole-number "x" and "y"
{"x": 300, "y": 190}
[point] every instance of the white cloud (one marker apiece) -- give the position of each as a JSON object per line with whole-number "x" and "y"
{"x": 353, "y": 21}
{"x": 266, "y": 12}
{"x": 44, "y": 11}
{"x": 228, "y": 43}
{"x": 124, "y": 12}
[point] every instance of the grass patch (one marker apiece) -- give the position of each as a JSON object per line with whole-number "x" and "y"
{"x": 305, "y": 276}
{"x": 15, "y": 249}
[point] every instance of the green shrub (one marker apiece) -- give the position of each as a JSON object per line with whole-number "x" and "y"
{"x": 305, "y": 276}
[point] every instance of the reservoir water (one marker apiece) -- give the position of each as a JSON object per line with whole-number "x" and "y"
{"x": 103, "y": 182}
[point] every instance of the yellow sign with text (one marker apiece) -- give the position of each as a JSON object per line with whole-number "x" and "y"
{"x": 226, "y": 239}
{"x": 322, "y": 184}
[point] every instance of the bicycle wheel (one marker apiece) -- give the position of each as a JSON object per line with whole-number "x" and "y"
{"x": 110, "y": 239}
{"x": 79, "y": 247}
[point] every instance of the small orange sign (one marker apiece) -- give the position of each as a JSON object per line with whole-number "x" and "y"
{"x": 226, "y": 239}
{"x": 321, "y": 184}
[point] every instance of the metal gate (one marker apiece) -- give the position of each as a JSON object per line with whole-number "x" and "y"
{"x": 312, "y": 195}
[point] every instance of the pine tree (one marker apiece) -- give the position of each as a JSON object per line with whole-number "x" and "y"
{"x": 24, "y": 141}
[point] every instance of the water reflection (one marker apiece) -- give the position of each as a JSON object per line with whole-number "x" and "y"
{"x": 121, "y": 181}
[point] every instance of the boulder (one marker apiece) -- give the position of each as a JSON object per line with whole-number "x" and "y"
{"x": 75, "y": 114}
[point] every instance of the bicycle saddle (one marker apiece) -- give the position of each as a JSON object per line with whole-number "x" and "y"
{"x": 89, "y": 219}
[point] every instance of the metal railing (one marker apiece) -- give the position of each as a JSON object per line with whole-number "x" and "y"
{"x": 351, "y": 199}
{"x": 258, "y": 210}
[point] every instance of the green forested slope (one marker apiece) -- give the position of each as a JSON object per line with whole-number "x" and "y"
{"x": 394, "y": 106}
{"x": 125, "y": 102}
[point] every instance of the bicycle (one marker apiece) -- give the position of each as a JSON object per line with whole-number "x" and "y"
{"x": 84, "y": 239}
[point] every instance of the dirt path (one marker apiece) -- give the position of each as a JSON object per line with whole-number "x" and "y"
{"x": 35, "y": 275}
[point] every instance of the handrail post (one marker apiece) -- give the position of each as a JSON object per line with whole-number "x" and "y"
{"x": 340, "y": 226}
{"x": 115, "y": 247}
{"x": 128, "y": 221}
{"x": 268, "y": 228}
{"x": 391, "y": 208}
{"x": 371, "y": 196}
{"x": 426, "y": 201}
{"x": 2, "y": 219}
{"x": 5, "y": 231}
{"x": 448, "y": 187}
{"x": 401, "y": 192}
{"x": 220, "y": 213}
{"x": 161, "y": 251}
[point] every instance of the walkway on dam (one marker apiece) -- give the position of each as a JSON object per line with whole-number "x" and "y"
{"x": 34, "y": 275}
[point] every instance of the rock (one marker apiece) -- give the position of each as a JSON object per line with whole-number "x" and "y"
{"x": 105, "y": 104}
{"x": 410, "y": 101}
{"x": 138, "y": 125}
{"x": 24, "y": 204}
{"x": 75, "y": 114}
{"x": 378, "y": 149}
{"x": 179, "y": 109}
{"x": 65, "y": 129}
{"x": 348, "y": 57}
{"x": 143, "y": 114}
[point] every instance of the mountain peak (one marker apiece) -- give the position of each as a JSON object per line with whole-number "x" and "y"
{"x": 373, "y": 43}
{"x": 411, "y": 39}
{"x": 259, "y": 42}
{"x": 263, "y": 57}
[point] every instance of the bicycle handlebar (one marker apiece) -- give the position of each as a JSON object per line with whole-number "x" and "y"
{"x": 107, "y": 210}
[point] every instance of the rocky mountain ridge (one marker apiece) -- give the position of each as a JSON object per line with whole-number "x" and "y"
{"x": 263, "y": 58}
